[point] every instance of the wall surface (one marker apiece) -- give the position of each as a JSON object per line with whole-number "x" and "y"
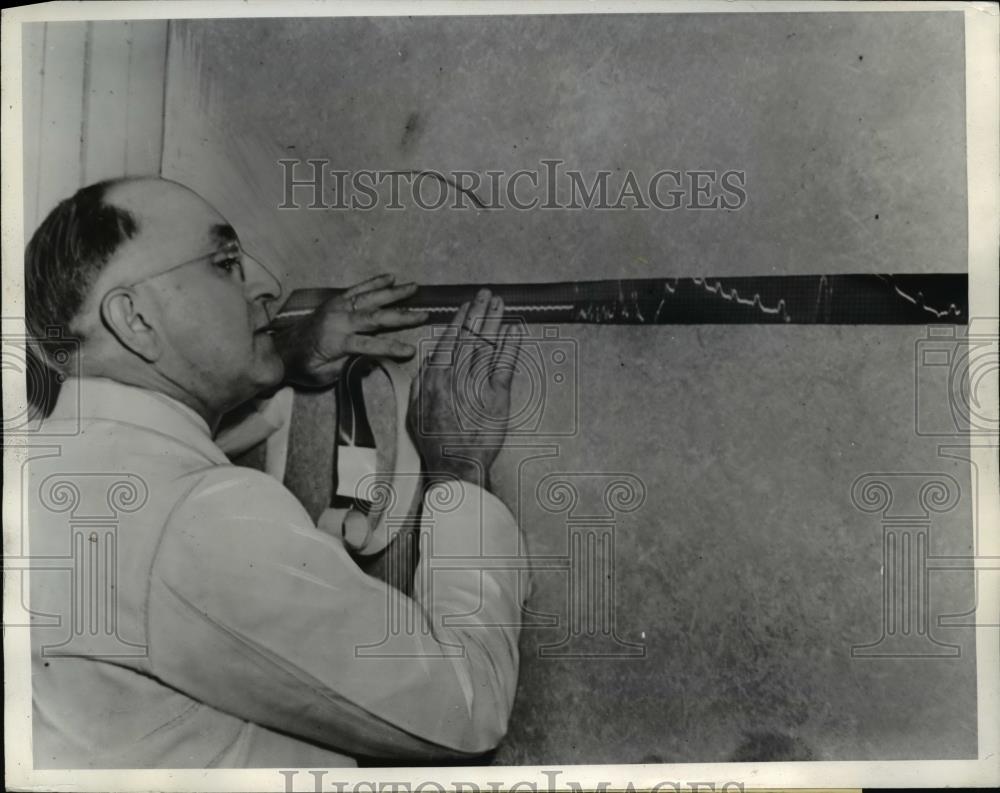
{"x": 93, "y": 109}
{"x": 713, "y": 532}
{"x": 93, "y": 97}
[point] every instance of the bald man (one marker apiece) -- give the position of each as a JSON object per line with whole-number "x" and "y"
{"x": 187, "y": 612}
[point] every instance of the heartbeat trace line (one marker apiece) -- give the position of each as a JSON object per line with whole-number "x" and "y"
{"x": 952, "y": 309}
{"x": 850, "y": 299}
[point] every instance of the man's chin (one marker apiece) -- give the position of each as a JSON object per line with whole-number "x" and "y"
{"x": 268, "y": 366}
{"x": 270, "y": 372}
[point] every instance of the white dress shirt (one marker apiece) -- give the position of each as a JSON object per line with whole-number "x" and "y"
{"x": 188, "y": 613}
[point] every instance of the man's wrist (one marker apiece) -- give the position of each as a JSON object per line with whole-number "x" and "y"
{"x": 294, "y": 346}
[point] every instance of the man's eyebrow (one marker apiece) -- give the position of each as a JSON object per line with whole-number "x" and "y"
{"x": 224, "y": 234}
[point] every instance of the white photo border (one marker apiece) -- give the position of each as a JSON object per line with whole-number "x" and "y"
{"x": 983, "y": 128}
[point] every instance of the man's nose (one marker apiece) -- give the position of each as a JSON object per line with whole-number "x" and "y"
{"x": 261, "y": 284}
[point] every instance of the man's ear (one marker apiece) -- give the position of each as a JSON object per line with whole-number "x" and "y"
{"x": 121, "y": 315}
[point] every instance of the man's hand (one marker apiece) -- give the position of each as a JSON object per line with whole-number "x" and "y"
{"x": 468, "y": 374}
{"x": 314, "y": 349}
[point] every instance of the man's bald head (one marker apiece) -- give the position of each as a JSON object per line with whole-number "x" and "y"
{"x": 151, "y": 283}
{"x": 84, "y": 233}
{"x": 174, "y": 222}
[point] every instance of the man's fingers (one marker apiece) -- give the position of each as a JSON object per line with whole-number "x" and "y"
{"x": 376, "y": 298}
{"x": 347, "y": 299}
{"x": 505, "y": 358}
{"x": 444, "y": 350}
{"x": 386, "y": 319}
{"x": 478, "y": 328}
{"x": 463, "y": 311}
{"x": 491, "y": 319}
{"x": 477, "y": 312}
{"x": 376, "y": 282}
{"x": 376, "y": 347}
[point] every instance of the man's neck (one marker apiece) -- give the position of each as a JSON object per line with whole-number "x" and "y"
{"x": 154, "y": 380}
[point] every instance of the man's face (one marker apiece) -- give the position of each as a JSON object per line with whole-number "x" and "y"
{"x": 206, "y": 300}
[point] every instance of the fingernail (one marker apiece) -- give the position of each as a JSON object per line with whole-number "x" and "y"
{"x": 481, "y": 295}
{"x": 495, "y": 302}
{"x": 404, "y": 349}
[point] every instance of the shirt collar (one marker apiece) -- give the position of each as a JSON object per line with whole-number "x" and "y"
{"x": 103, "y": 398}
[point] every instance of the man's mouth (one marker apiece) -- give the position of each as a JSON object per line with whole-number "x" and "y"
{"x": 267, "y": 327}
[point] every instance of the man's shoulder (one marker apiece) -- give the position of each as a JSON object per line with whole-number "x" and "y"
{"x": 233, "y": 522}
{"x": 107, "y": 457}
{"x": 226, "y": 493}
{"x": 118, "y": 438}
{"x": 222, "y": 482}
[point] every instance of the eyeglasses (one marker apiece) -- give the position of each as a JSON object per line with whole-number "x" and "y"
{"x": 229, "y": 257}
{"x": 234, "y": 255}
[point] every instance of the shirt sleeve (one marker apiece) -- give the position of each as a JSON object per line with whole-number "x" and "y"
{"x": 254, "y": 611}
